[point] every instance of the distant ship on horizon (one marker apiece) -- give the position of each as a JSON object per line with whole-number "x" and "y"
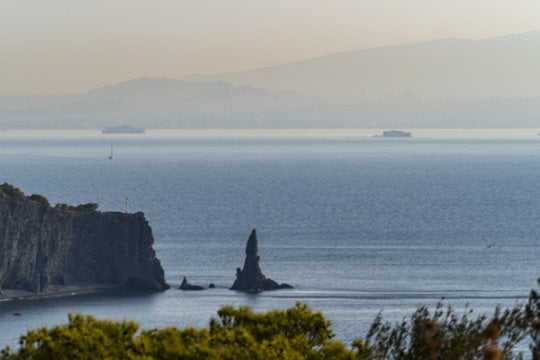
{"x": 123, "y": 129}
{"x": 395, "y": 133}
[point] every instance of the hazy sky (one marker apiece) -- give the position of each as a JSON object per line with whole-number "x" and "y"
{"x": 74, "y": 45}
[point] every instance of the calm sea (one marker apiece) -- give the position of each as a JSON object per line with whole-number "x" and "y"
{"x": 357, "y": 224}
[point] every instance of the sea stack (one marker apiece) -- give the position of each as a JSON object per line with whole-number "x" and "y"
{"x": 250, "y": 278}
{"x": 187, "y": 286}
{"x": 45, "y": 249}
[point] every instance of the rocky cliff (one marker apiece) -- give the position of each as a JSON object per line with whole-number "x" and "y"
{"x": 43, "y": 247}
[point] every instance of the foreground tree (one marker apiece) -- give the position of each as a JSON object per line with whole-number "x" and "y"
{"x": 237, "y": 333}
{"x": 295, "y": 333}
{"x": 441, "y": 333}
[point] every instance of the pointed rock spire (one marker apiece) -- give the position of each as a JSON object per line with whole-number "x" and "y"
{"x": 252, "y": 245}
{"x": 250, "y": 277}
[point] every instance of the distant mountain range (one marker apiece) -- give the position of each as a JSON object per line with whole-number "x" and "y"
{"x": 507, "y": 66}
{"x": 443, "y": 83}
{"x": 154, "y": 103}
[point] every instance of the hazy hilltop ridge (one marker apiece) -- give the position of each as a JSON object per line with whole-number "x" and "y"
{"x": 443, "y": 83}
{"x": 507, "y": 66}
{"x": 154, "y": 103}
{"x": 43, "y": 248}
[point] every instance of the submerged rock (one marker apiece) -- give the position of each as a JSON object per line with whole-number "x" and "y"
{"x": 43, "y": 248}
{"x": 187, "y": 286}
{"x": 250, "y": 278}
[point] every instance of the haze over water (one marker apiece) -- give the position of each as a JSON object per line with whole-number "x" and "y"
{"x": 357, "y": 224}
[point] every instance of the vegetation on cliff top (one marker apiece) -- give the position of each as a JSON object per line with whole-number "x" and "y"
{"x": 11, "y": 190}
{"x": 295, "y": 333}
{"x": 82, "y": 207}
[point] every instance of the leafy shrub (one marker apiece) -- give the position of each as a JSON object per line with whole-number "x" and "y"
{"x": 533, "y": 312}
{"x": 11, "y": 190}
{"x": 295, "y": 333}
{"x": 82, "y": 207}
{"x": 82, "y": 338}
{"x": 86, "y": 207}
{"x": 39, "y": 198}
{"x": 443, "y": 334}
{"x": 61, "y": 206}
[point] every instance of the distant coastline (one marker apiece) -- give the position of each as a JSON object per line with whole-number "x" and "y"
{"x": 123, "y": 129}
{"x": 287, "y": 134}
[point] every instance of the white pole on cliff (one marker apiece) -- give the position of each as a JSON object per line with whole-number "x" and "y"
{"x": 126, "y": 204}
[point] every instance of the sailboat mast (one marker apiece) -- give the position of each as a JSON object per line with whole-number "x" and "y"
{"x": 111, "y": 156}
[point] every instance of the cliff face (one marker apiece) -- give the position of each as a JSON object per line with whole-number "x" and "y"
{"x": 42, "y": 246}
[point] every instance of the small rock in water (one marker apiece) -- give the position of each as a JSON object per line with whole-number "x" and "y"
{"x": 187, "y": 286}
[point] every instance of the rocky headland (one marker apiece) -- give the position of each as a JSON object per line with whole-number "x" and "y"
{"x": 250, "y": 278}
{"x": 45, "y": 249}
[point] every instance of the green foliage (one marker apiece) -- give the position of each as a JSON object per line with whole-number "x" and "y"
{"x": 293, "y": 334}
{"x": 298, "y": 323}
{"x": 86, "y": 207}
{"x": 82, "y": 338}
{"x": 10, "y": 190}
{"x": 82, "y": 207}
{"x": 533, "y": 312}
{"x": 443, "y": 334}
{"x": 39, "y": 198}
{"x": 61, "y": 206}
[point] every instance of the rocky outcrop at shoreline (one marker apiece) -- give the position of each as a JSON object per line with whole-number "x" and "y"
{"x": 187, "y": 286}
{"x": 250, "y": 278}
{"x": 44, "y": 248}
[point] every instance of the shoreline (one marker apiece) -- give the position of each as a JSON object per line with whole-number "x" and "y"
{"x": 55, "y": 291}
